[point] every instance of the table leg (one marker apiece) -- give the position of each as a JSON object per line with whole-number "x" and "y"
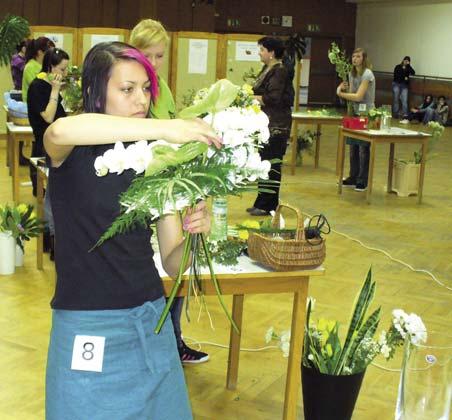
{"x": 234, "y": 343}
{"x": 293, "y": 162}
{"x": 422, "y": 170}
{"x": 371, "y": 171}
{"x": 293, "y": 380}
{"x": 317, "y": 146}
{"x": 15, "y": 169}
{"x": 341, "y": 156}
{"x": 390, "y": 167}
{"x": 9, "y": 152}
{"x": 339, "y": 150}
{"x": 40, "y": 214}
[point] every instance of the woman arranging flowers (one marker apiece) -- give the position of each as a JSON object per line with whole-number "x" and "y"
{"x": 103, "y": 354}
{"x": 360, "y": 90}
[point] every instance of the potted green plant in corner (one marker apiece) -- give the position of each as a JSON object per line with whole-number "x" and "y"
{"x": 330, "y": 368}
{"x": 406, "y": 172}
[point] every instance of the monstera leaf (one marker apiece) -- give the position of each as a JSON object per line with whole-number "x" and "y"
{"x": 13, "y": 30}
{"x": 220, "y": 95}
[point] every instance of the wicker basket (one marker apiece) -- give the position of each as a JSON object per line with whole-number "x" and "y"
{"x": 286, "y": 254}
{"x": 19, "y": 120}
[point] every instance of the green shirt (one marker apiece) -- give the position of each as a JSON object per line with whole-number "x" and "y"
{"x": 31, "y": 70}
{"x": 164, "y": 108}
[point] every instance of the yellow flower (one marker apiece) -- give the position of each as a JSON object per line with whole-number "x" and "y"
{"x": 42, "y": 75}
{"x": 243, "y": 234}
{"x": 22, "y": 209}
{"x": 256, "y": 108}
{"x": 79, "y": 82}
{"x": 329, "y": 350}
{"x": 248, "y": 89}
{"x": 32, "y": 216}
{"x": 252, "y": 224}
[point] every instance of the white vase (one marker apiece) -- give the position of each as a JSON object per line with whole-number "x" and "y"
{"x": 7, "y": 253}
{"x": 19, "y": 256}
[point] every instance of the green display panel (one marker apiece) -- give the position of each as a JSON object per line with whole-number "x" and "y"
{"x": 237, "y": 67}
{"x": 186, "y": 79}
{"x": 90, "y": 39}
{"x": 68, "y": 41}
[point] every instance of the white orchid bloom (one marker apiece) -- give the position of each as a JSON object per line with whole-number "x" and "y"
{"x": 100, "y": 166}
{"x": 115, "y": 159}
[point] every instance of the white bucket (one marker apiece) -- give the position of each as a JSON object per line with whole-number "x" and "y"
{"x": 7, "y": 253}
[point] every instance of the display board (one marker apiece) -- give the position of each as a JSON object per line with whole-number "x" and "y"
{"x": 88, "y": 37}
{"x": 193, "y": 63}
{"x": 63, "y": 37}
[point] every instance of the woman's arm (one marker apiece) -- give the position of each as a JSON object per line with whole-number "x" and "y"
{"x": 48, "y": 114}
{"x": 171, "y": 239}
{"x": 355, "y": 97}
{"x": 92, "y": 129}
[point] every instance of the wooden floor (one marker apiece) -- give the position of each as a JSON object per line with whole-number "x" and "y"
{"x": 417, "y": 234}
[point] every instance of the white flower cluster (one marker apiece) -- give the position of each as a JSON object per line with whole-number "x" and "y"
{"x": 409, "y": 324}
{"x": 239, "y": 126}
{"x": 283, "y": 340}
{"x": 136, "y": 156}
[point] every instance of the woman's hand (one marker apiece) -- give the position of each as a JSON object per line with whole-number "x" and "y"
{"x": 343, "y": 87}
{"x": 184, "y": 131}
{"x": 197, "y": 220}
{"x": 56, "y": 81}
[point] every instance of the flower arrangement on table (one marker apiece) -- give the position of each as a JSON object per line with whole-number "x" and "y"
{"x": 72, "y": 90}
{"x": 324, "y": 112}
{"x": 324, "y": 352}
{"x": 343, "y": 67}
{"x": 173, "y": 178}
{"x": 21, "y": 221}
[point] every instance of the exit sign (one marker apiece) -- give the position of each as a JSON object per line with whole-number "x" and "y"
{"x": 313, "y": 27}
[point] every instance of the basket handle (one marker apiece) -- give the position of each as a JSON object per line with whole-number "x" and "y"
{"x": 299, "y": 234}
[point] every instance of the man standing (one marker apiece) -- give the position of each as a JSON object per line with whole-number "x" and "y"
{"x": 402, "y": 73}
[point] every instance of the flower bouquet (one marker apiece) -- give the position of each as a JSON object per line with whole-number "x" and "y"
{"x": 72, "y": 90}
{"x": 172, "y": 178}
{"x": 343, "y": 67}
{"x": 21, "y": 221}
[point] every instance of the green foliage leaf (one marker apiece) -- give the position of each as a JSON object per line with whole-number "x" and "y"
{"x": 13, "y": 30}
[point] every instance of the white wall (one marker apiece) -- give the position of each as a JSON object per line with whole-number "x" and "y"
{"x": 390, "y": 31}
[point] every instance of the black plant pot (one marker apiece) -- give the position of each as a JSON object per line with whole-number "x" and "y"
{"x": 329, "y": 397}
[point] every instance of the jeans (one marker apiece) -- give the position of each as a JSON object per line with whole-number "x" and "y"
{"x": 359, "y": 162}
{"x": 399, "y": 94}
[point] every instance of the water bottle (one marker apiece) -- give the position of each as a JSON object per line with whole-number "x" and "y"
{"x": 219, "y": 229}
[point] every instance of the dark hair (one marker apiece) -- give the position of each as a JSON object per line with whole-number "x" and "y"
{"x": 40, "y": 44}
{"x": 97, "y": 68}
{"x": 21, "y": 45}
{"x": 273, "y": 45}
{"x": 442, "y": 96}
{"x": 407, "y": 57}
{"x": 53, "y": 57}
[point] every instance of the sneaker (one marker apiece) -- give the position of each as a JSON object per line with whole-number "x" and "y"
{"x": 348, "y": 182}
{"x": 404, "y": 121}
{"x": 250, "y": 209}
{"x": 360, "y": 187}
{"x": 188, "y": 355}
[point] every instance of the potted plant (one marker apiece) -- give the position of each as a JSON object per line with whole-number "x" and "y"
{"x": 336, "y": 368}
{"x": 406, "y": 172}
{"x": 374, "y": 116}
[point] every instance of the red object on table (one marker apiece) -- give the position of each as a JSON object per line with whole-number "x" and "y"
{"x": 355, "y": 123}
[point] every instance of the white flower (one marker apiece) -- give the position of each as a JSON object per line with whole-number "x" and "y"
{"x": 285, "y": 347}
{"x": 311, "y": 357}
{"x": 382, "y": 338}
{"x": 100, "y": 166}
{"x": 138, "y": 156}
{"x": 416, "y": 329}
{"x": 269, "y": 334}
{"x": 285, "y": 337}
{"x": 385, "y": 350}
{"x": 240, "y": 157}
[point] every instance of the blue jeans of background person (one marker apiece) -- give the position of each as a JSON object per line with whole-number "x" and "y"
{"x": 399, "y": 95}
{"x": 141, "y": 377}
{"x": 359, "y": 162}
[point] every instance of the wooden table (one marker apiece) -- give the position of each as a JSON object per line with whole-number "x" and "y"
{"x": 14, "y": 135}
{"x": 374, "y": 137}
{"x": 310, "y": 118}
{"x": 254, "y": 279}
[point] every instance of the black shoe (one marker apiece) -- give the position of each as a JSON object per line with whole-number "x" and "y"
{"x": 190, "y": 356}
{"x": 348, "y": 182}
{"x": 23, "y": 161}
{"x": 259, "y": 212}
{"x": 250, "y": 209}
{"x": 360, "y": 187}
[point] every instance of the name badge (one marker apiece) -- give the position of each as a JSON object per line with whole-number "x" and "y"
{"x": 362, "y": 107}
{"x": 88, "y": 353}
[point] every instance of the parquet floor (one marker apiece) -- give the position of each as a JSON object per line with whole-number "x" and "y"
{"x": 417, "y": 234}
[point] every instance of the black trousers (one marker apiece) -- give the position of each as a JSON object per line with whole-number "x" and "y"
{"x": 274, "y": 149}
{"x": 36, "y": 151}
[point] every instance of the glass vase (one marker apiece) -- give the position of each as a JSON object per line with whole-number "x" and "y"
{"x": 425, "y": 388}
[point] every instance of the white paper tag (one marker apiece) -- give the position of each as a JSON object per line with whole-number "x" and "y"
{"x": 362, "y": 107}
{"x": 88, "y": 353}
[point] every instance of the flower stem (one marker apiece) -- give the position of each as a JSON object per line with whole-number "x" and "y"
{"x": 215, "y": 282}
{"x": 177, "y": 283}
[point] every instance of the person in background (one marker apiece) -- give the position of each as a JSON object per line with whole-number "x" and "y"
{"x": 400, "y": 86}
{"x": 44, "y": 107}
{"x": 36, "y": 48}
{"x": 151, "y": 38}
{"x": 274, "y": 90}
{"x": 421, "y": 113}
{"x": 439, "y": 114}
{"x": 18, "y": 64}
{"x": 104, "y": 360}
{"x": 361, "y": 91}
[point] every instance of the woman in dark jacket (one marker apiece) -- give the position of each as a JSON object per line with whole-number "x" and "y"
{"x": 274, "y": 90}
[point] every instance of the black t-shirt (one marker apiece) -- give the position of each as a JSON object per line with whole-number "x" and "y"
{"x": 121, "y": 272}
{"x": 37, "y": 101}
